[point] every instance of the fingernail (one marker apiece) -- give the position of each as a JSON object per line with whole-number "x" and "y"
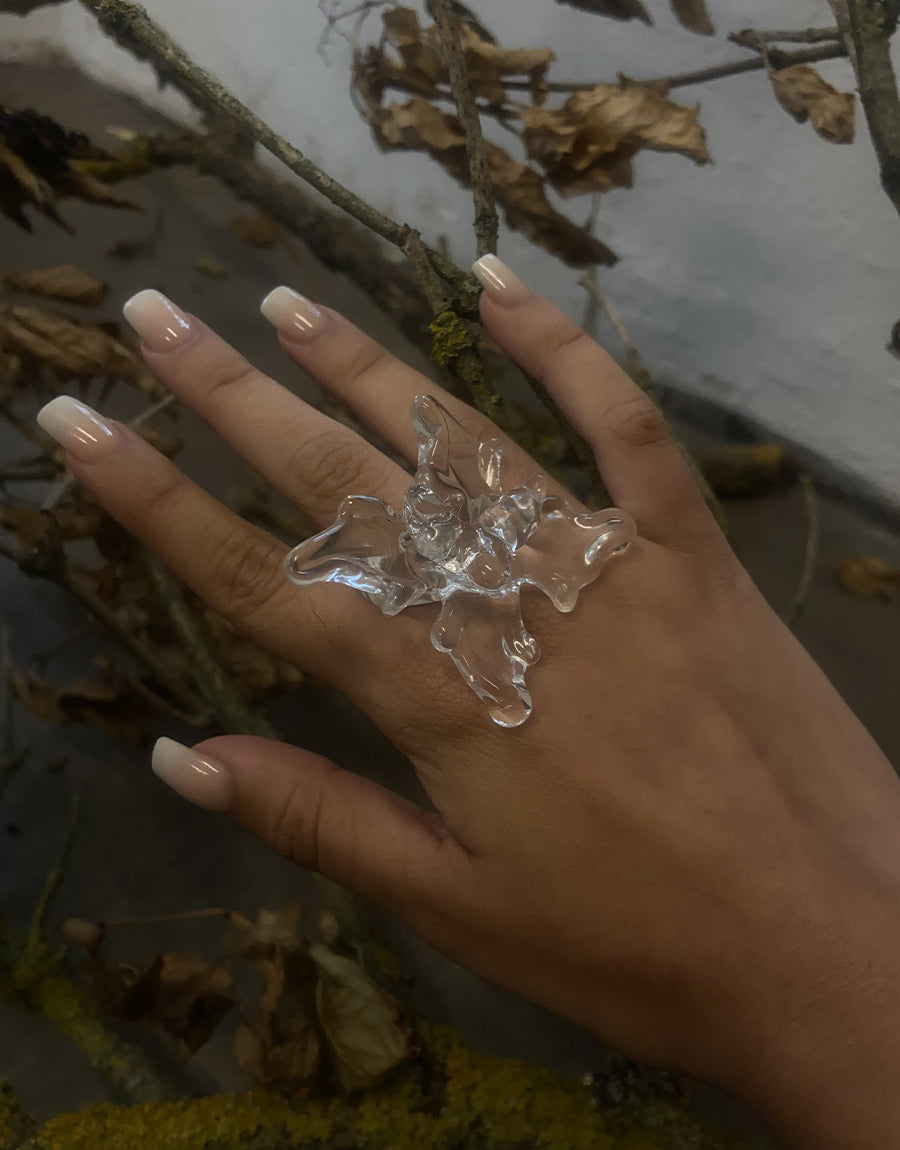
{"x": 160, "y": 324}
{"x": 293, "y": 315}
{"x": 197, "y": 778}
{"x": 75, "y": 426}
{"x": 501, "y": 284}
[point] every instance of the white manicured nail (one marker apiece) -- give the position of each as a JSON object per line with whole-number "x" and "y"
{"x": 75, "y": 426}
{"x": 500, "y": 282}
{"x": 198, "y": 778}
{"x": 294, "y": 316}
{"x": 161, "y": 325}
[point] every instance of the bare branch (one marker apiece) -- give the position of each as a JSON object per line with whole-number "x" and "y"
{"x": 867, "y": 27}
{"x": 487, "y": 224}
{"x": 750, "y": 37}
{"x": 130, "y": 26}
{"x": 23, "y": 7}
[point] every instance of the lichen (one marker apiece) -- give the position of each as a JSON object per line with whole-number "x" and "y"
{"x": 451, "y": 337}
{"x": 480, "y": 1103}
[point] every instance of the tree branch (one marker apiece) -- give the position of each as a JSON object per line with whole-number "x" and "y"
{"x": 867, "y": 27}
{"x": 750, "y": 37}
{"x": 778, "y": 60}
{"x": 129, "y": 25}
{"x": 487, "y": 224}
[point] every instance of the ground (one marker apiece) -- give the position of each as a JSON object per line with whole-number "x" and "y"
{"x": 143, "y": 851}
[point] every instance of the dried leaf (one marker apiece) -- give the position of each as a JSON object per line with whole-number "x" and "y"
{"x": 32, "y": 526}
{"x": 867, "y": 576}
{"x": 693, "y": 15}
{"x": 66, "y": 283}
{"x": 70, "y": 349}
{"x": 80, "y": 932}
{"x": 273, "y": 928}
{"x": 419, "y": 126}
{"x": 740, "y": 471}
{"x": 181, "y": 994}
{"x": 420, "y": 67}
{"x": 113, "y": 703}
{"x": 38, "y": 167}
{"x": 805, "y": 95}
{"x": 360, "y": 1021}
{"x": 589, "y": 143}
{"x": 618, "y": 9}
{"x": 257, "y": 230}
{"x": 283, "y": 1047}
{"x": 208, "y": 266}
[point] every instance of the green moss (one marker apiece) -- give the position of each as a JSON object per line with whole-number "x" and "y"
{"x": 15, "y": 1124}
{"x": 451, "y": 337}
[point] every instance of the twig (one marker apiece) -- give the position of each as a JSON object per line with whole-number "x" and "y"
{"x": 867, "y": 27}
{"x": 811, "y": 551}
{"x": 130, "y": 26}
{"x": 35, "y": 941}
{"x": 217, "y": 689}
{"x": 718, "y": 72}
{"x": 10, "y": 757}
{"x": 749, "y": 37}
{"x": 487, "y": 224}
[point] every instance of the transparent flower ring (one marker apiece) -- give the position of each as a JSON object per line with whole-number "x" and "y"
{"x": 467, "y": 543}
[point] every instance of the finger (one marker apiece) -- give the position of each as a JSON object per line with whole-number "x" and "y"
{"x": 311, "y": 459}
{"x": 376, "y": 385}
{"x": 235, "y": 567}
{"x": 322, "y": 817}
{"x": 642, "y": 466}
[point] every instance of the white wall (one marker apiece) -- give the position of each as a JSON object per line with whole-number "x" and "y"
{"x": 768, "y": 281}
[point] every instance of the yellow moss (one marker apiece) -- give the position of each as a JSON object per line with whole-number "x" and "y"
{"x": 451, "y": 337}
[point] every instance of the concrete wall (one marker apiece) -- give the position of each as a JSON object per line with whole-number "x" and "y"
{"x": 768, "y": 282}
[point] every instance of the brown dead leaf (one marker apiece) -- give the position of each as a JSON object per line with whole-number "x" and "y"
{"x": 866, "y": 576}
{"x": 419, "y": 126}
{"x": 588, "y": 144}
{"x": 410, "y": 58}
{"x": 38, "y": 167}
{"x": 806, "y": 95}
{"x": 282, "y": 1047}
{"x": 257, "y": 230}
{"x": 112, "y": 703}
{"x": 70, "y": 349}
{"x": 359, "y": 1019}
{"x": 66, "y": 283}
{"x": 693, "y": 15}
{"x": 618, "y": 9}
{"x": 181, "y": 994}
{"x": 32, "y": 526}
{"x": 273, "y": 928}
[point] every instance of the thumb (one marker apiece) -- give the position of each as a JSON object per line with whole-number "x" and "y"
{"x": 304, "y": 806}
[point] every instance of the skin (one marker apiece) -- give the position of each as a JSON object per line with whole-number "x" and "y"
{"x": 690, "y": 849}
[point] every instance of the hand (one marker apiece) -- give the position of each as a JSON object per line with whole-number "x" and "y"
{"x": 692, "y": 846}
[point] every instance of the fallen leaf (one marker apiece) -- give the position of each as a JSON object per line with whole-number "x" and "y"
{"x": 80, "y": 932}
{"x": 66, "y": 283}
{"x": 740, "y": 471}
{"x": 257, "y": 230}
{"x": 213, "y": 268}
{"x": 70, "y": 349}
{"x": 806, "y": 95}
{"x": 113, "y": 703}
{"x": 31, "y": 525}
{"x": 283, "y": 1047}
{"x": 255, "y": 670}
{"x": 273, "y": 928}
{"x": 693, "y": 15}
{"x": 589, "y": 143}
{"x": 360, "y": 1021}
{"x": 181, "y": 994}
{"x": 867, "y": 576}
{"x": 618, "y": 9}
{"x": 38, "y": 167}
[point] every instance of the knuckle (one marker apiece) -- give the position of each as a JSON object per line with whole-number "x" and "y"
{"x": 563, "y": 335}
{"x": 297, "y": 833}
{"x": 235, "y": 370}
{"x": 333, "y": 467}
{"x": 365, "y": 361}
{"x": 247, "y": 571}
{"x": 637, "y": 422}
{"x": 160, "y": 497}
